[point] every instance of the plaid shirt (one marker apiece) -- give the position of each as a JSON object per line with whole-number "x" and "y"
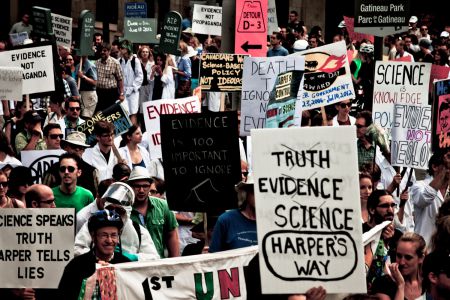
{"x": 108, "y": 73}
{"x": 67, "y": 92}
{"x": 365, "y": 155}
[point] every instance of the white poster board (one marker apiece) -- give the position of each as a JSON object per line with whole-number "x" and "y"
{"x": 308, "y": 209}
{"x": 207, "y": 19}
{"x": 272, "y": 20}
{"x": 62, "y": 28}
{"x": 11, "y": 79}
{"x": 37, "y": 65}
{"x": 258, "y": 80}
{"x": 153, "y": 109}
{"x": 35, "y": 247}
{"x": 40, "y": 161}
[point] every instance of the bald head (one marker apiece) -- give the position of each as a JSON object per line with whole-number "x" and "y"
{"x": 39, "y": 196}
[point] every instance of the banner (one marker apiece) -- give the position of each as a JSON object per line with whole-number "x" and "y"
{"x": 11, "y": 79}
{"x": 327, "y": 76}
{"x": 398, "y": 82}
{"x": 153, "y": 111}
{"x": 37, "y": 65}
{"x": 62, "y": 27}
{"x": 207, "y": 20}
{"x": 212, "y": 276}
{"x": 258, "y": 80}
{"x": 141, "y": 30}
{"x": 35, "y": 247}
{"x": 308, "y": 208}
{"x": 115, "y": 114}
{"x": 220, "y": 72}
{"x": 40, "y": 161}
{"x": 201, "y": 161}
{"x": 441, "y": 115}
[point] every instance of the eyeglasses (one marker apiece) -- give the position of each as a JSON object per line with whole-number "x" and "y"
{"x": 63, "y": 169}
{"x": 55, "y": 136}
{"x": 105, "y": 236}
{"x": 4, "y": 184}
{"x": 75, "y": 108}
{"x": 143, "y": 186}
{"x": 387, "y": 205}
{"x": 344, "y": 105}
{"x": 50, "y": 201}
{"x": 407, "y": 256}
{"x": 359, "y": 126}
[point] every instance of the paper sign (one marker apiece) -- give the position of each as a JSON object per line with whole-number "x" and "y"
{"x": 220, "y": 72}
{"x": 62, "y": 27}
{"x": 272, "y": 19}
{"x": 308, "y": 208}
{"x": 153, "y": 111}
{"x": 11, "y": 79}
{"x": 170, "y": 35}
{"x": 37, "y": 65}
{"x": 207, "y": 20}
{"x": 40, "y": 161}
{"x": 35, "y": 247}
{"x": 140, "y": 30}
{"x": 18, "y": 38}
{"x": 441, "y": 115}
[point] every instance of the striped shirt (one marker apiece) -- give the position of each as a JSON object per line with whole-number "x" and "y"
{"x": 108, "y": 73}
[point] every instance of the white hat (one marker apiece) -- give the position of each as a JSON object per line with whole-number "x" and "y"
{"x": 76, "y": 138}
{"x": 119, "y": 193}
{"x": 139, "y": 173}
{"x": 191, "y": 52}
{"x": 444, "y": 34}
{"x": 300, "y": 45}
{"x": 342, "y": 24}
{"x": 413, "y": 19}
{"x": 243, "y": 184}
{"x": 187, "y": 30}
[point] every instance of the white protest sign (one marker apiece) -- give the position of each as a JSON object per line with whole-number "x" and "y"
{"x": 398, "y": 82}
{"x": 37, "y": 65}
{"x": 308, "y": 208}
{"x": 258, "y": 80}
{"x": 35, "y": 247}
{"x": 272, "y": 20}
{"x": 327, "y": 78}
{"x": 217, "y": 275}
{"x": 40, "y": 161}
{"x": 153, "y": 109}
{"x": 11, "y": 83}
{"x": 62, "y": 28}
{"x": 207, "y": 20}
{"x": 18, "y": 38}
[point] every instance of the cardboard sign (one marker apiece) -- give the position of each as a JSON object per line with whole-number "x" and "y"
{"x": 86, "y": 23}
{"x": 207, "y": 19}
{"x": 258, "y": 81}
{"x": 308, "y": 208}
{"x": 41, "y": 19}
{"x": 136, "y": 10}
{"x": 114, "y": 114}
{"x": 398, "y": 83}
{"x": 201, "y": 160}
{"x": 140, "y": 30}
{"x": 215, "y": 276}
{"x": 438, "y": 73}
{"x": 441, "y": 115}
{"x": 153, "y": 111}
{"x": 272, "y": 19}
{"x": 170, "y": 35}
{"x": 251, "y": 28}
{"x": 11, "y": 79}
{"x": 381, "y": 18}
{"x": 62, "y": 27}
{"x": 327, "y": 76}
{"x": 35, "y": 247}
{"x": 37, "y": 65}
{"x": 356, "y": 36}
{"x": 40, "y": 161}
{"x": 18, "y": 38}
{"x": 221, "y": 72}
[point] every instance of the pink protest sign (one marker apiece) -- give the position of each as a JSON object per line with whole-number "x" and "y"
{"x": 251, "y": 28}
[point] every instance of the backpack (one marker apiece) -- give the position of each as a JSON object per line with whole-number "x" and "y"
{"x": 137, "y": 227}
{"x": 144, "y": 71}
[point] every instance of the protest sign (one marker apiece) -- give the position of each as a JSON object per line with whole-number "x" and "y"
{"x": 356, "y": 36}
{"x": 308, "y": 209}
{"x": 438, "y": 73}
{"x": 141, "y": 30}
{"x": 18, "y": 38}
{"x": 11, "y": 79}
{"x": 35, "y": 247}
{"x": 441, "y": 115}
{"x": 114, "y": 114}
{"x": 40, "y": 161}
{"x": 207, "y": 20}
{"x": 41, "y": 20}
{"x": 281, "y": 107}
{"x": 170, "y": 35}
{"x": 327, "y": 76}
{"x": 220, "y": 72}
{"x": 62, "y": 27}
{"x": 208, "y": 276}
{"x": 258, "y": 80}
{"x": 86, "y": 23}
{"x": 398, "y": 82}
{"x": 201, "y": 160}
{"x": 272, "y": 20}
{"x": 37, "y": 65}
{"x": 153, "y": 111}
{"x": 135, "y": 10}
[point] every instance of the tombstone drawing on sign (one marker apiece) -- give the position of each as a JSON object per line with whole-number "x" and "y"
{"x": 86, "y": 24}
{"x": 170, "y": 35}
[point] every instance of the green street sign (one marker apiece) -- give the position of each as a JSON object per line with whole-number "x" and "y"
{"x": 86, "y": 24}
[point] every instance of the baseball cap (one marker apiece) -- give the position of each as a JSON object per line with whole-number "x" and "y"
{"x": 444, "y": 34}
{"x": 31, "y": 117}
{"x": 413, "y": 19}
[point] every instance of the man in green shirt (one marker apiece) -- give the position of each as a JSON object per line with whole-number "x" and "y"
{"x": 68, "y": 194}
{"x": 32, "y": 137}
{"x": 154, "y": 214}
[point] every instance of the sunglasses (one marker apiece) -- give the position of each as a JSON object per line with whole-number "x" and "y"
{"x": 344, "y": 105}
{"x": 63, "y": 169}
{"x": 407, "y": 256}
{"x": 4, "y": 184}
{"x": 359, "y": 126}
{"x": 387, "y": 205}
{"x": 50, "y": 201}
{"x": 55, "y": 136}
{"x": 74, "y": 108}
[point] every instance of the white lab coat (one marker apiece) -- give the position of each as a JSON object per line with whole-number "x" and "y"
{"x": 125, "y": 154}
{"x": 95, "y": 158}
